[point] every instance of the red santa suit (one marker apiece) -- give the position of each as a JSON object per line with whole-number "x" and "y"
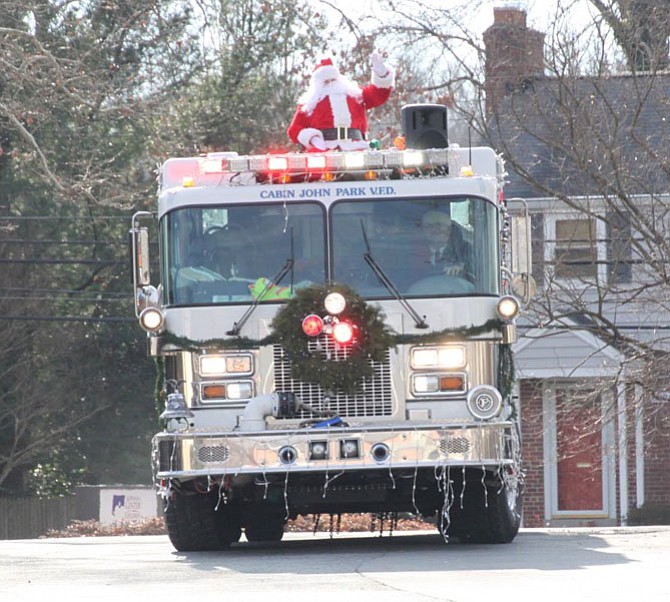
{"x": 332, "y": 114}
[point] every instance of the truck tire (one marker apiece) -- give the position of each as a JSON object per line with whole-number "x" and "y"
{"x": 502, "y": 517}
{"x": 487, "y": 516}
{"x": 259, "y": 532}
{"x": 265, "y": 526}
{"x": 195, "y": 524}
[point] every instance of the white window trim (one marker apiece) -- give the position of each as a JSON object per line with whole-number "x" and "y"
{"x": 550, "y": 246}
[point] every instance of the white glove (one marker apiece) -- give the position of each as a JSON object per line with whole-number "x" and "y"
{"x": 378, "y": 66}
{"x": 318, "y": 142}
{"x": 312, "y": 138}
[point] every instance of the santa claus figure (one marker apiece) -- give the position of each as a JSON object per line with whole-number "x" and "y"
{"x": 331, "y": 114}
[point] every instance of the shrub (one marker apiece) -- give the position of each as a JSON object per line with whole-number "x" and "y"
{"x": 650, "y": 514}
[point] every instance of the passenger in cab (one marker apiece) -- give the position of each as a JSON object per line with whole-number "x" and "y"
{"x": 443, "y": 248}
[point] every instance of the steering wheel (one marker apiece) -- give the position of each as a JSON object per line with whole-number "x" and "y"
{"x": 228, "y": 246}
{"x": 441, "y": 285}
{"x": 212, "y": 230}
{"x": 239, "y": 237}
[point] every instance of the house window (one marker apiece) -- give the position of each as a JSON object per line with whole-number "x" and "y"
{"x": 575, "y": 249}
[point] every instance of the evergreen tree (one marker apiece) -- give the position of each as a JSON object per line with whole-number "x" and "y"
{"x": 79, "y": 89}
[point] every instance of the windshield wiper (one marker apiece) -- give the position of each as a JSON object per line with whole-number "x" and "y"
{"x": 278, "y": 277}
{"x": 419, "y": 322}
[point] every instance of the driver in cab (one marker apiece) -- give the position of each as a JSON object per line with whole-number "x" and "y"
{"x": 443, "y": 251}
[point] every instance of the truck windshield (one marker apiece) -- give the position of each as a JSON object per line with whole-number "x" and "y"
{"x": 426, "y": 247}
{"x": 232, "y": 254}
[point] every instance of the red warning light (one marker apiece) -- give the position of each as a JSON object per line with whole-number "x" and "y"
{"x": 343, "y": 333}
{"x": 312, "y": 325}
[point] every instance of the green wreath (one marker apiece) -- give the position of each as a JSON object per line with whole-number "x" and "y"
{"x": 372, "y": 339}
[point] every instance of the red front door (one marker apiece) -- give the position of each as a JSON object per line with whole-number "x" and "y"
{"x": 579, "y": 450}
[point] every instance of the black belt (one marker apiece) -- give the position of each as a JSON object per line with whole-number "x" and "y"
{"x": 342, "y": 133}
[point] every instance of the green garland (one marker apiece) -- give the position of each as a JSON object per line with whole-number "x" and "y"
{"x": 455, "y": 334}
{"x": 159, "y": 385}
{"x": 373, "y": 340}
{"x": 506, "y": 372}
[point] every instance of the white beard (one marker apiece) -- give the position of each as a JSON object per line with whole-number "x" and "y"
{"x": 337, "y": 90}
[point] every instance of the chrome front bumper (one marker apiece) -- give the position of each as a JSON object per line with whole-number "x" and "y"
{"x": 185, "y": 455}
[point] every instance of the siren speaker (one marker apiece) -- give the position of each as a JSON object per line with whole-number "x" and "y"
{"x": 425, "y": 126}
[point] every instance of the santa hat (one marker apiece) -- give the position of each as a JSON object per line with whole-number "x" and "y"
{"x": 325, "y": 70}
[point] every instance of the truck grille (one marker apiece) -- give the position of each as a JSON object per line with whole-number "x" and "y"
{"x": 373, "y": 399}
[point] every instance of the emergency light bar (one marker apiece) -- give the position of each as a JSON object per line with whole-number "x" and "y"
{"x": 337, "y": 161}
{"x": 217, "y": 168}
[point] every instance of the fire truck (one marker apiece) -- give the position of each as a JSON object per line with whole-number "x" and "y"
{"x": 314, "y": 358}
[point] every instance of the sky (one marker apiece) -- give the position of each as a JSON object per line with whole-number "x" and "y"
{"x": 540, "y": 12}
{"x": 550, "y": 17}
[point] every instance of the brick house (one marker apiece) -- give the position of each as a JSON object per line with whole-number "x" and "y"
{"x": 592, "y": 353}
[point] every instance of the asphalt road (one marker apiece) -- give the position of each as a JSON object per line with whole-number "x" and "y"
{"x": 608, "y": 565}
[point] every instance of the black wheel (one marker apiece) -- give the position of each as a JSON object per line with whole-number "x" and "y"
{"x": 228, "y": 523}
{"x": 503, "y": 516}
{"x": 265, "y": 526}
{"x": 484, "y": 513}
{"x": 195, "y": 523}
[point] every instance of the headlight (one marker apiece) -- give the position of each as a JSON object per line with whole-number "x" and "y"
{"x": 218, "y": 365}
{"x": 241, "y": 390}
{"x": 447, "y": 358}
{"x": 436, "y": 384}
{"x": 151, "y": 319}
{"x": 508, "y": 307}
{"x": 226, "y": 391}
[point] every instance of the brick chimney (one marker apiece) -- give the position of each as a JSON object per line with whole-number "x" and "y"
{"x": 514, "y": 53}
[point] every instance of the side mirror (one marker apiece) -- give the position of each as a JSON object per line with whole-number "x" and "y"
{"x": 523, "y": 283}
{"x": 147, "y": 297}
{"x": 524, "y": 287}
{"x": 521, "y": 249}
{"x": 139, "y": 247}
